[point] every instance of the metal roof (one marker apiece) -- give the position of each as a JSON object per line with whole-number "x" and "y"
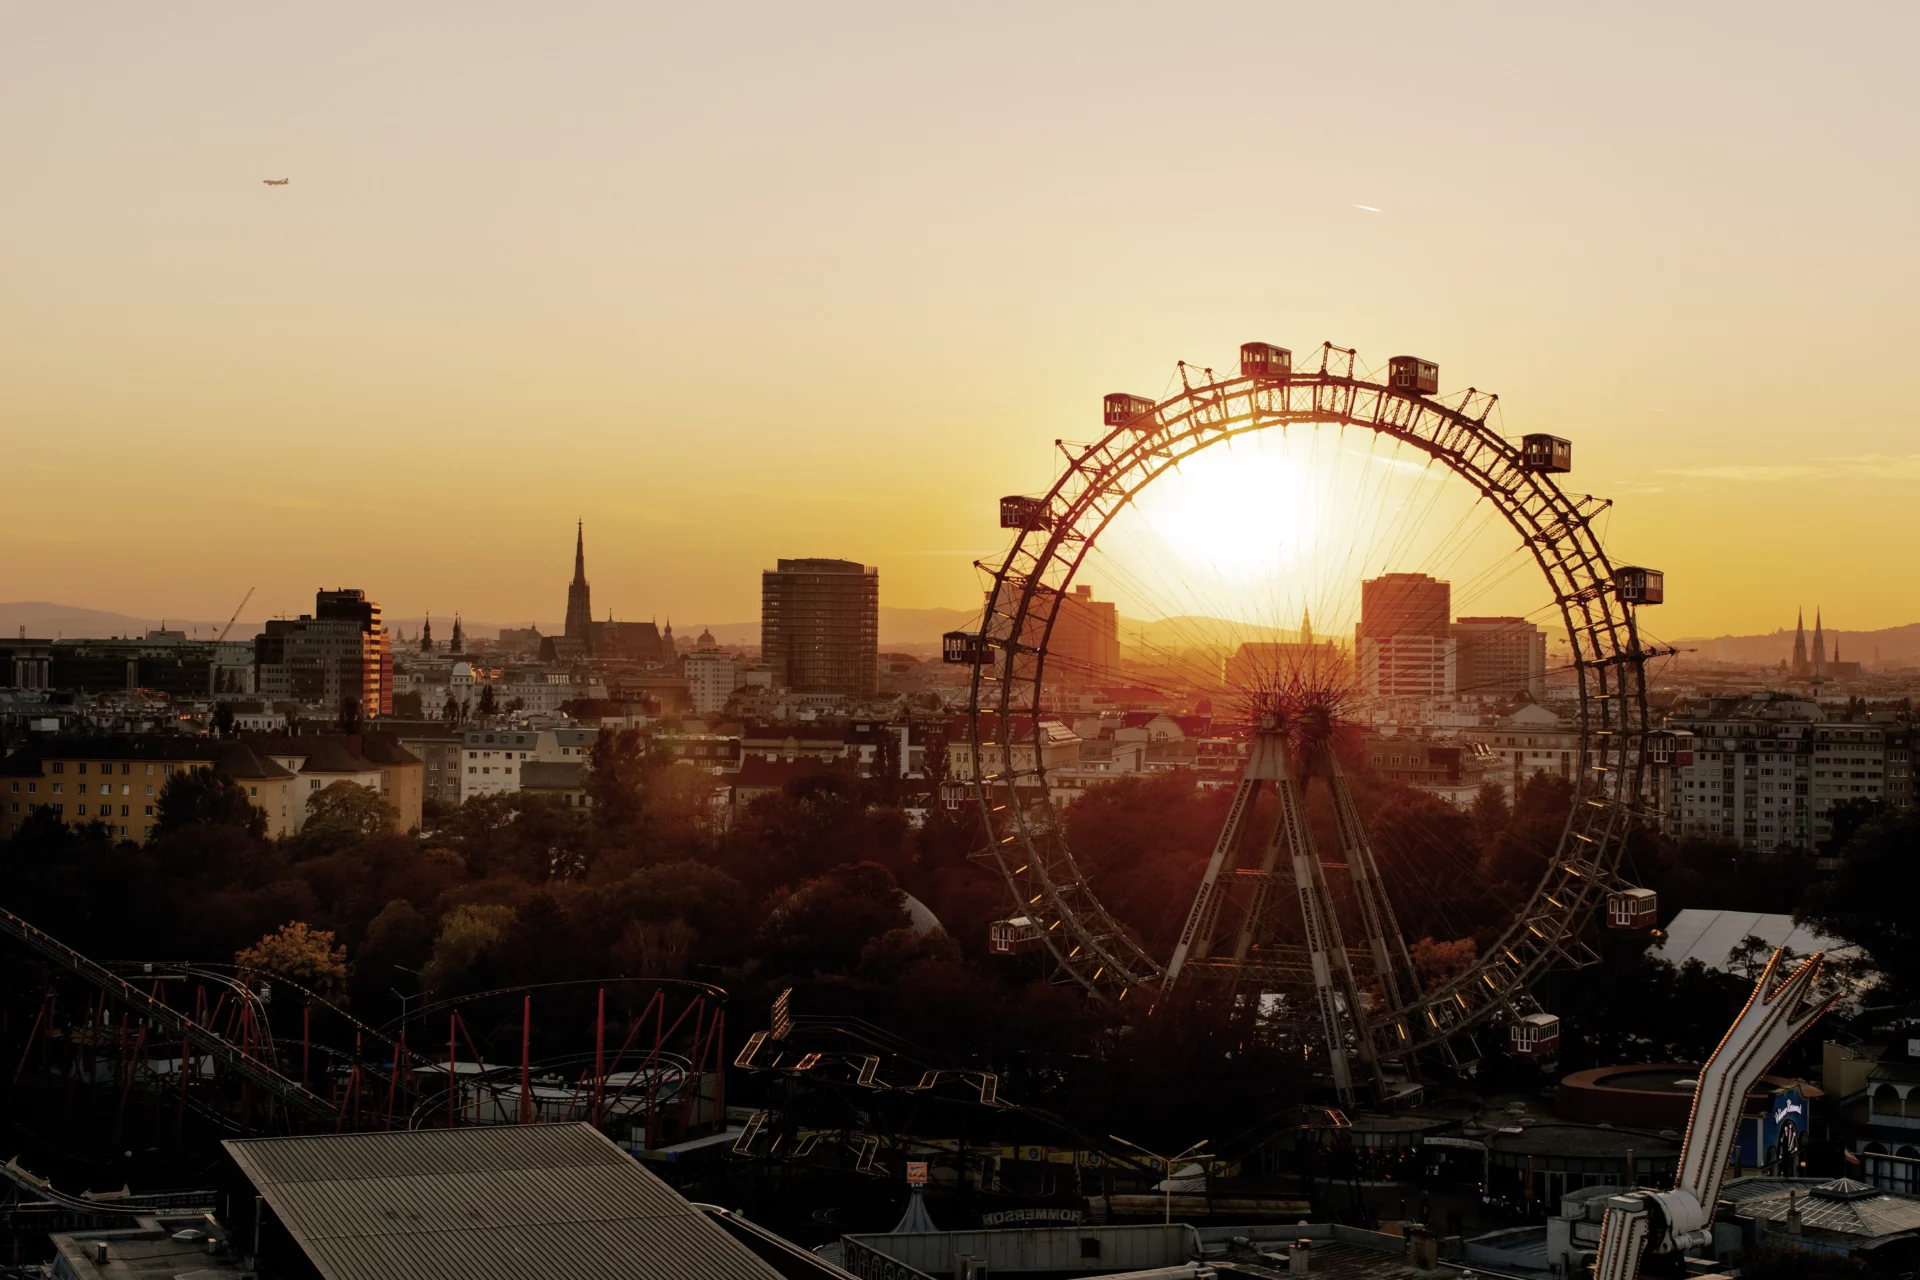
{"x": 502, "y": 1202}
{"x": 1709, "y": 936}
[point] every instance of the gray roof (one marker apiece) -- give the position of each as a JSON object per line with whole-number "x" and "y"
{"x": 1836, "y": 1206}
{"x": 503, "y": 1202}
{"x": 570, "y": 775}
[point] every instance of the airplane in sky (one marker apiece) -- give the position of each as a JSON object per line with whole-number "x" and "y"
{"x": 276, "y": 182}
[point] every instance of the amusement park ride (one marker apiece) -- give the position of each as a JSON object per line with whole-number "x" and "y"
{"x": 1360, "y": 1005}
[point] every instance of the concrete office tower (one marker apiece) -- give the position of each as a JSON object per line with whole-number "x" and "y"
{"x": 820, "y": 626}
{"x": 1499, "y": 658}
{"x": 1403, "y": 643}
{"x": 337, "y": 654}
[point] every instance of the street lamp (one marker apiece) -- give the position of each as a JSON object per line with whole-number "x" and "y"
{"x": 1166, "y": 1163}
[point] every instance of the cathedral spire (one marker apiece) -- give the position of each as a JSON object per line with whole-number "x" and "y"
{"x": 580, "y": 626}
{"x": 1799, "y": 665}
{"x": 1306, "y": 626}
{"x": 1819, "y": 643}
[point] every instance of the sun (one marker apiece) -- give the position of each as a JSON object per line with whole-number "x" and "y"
{"x": 1240, "y": 514}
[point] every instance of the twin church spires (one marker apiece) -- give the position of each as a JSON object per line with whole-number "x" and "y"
{"x": 1814, "y": 666}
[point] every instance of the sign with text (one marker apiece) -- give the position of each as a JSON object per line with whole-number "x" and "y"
{"x": 916, "y": 1173}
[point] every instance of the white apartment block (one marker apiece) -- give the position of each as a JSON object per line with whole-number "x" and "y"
{"x": 1769, "y": 772}
{"x": 1531, "y": 740}
{"x": 493, "y": 757}
{"x": 710, "y": 677}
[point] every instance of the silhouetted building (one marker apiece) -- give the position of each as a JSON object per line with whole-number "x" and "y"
{"x": 1403, "y": 641}
{"x": 1499, "y": 657}
{"x": 334, "y": 656}
{"x": 820, "y": 626}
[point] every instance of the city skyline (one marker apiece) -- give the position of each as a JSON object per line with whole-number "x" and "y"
{"x": 520, "y": 304}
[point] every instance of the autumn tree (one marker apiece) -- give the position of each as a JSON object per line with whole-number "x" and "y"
{"x": 469, "y": 935}
{"x": 300, "y": 954}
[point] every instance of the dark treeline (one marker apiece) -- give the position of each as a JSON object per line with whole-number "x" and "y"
{"x": 804, "y": 889}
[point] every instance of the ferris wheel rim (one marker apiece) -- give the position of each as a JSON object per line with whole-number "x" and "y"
{"x": 1557, "y": 531}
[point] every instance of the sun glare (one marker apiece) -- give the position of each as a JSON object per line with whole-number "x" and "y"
{"x": 1240, "y": 514}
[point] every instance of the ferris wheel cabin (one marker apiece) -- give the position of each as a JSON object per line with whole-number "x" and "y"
{"x": 965, "y": 649}
{"x": 1633, "y": 909}
{"x": 1120, "y": 409}
{"x": 1020, "y": 512}
{"x": 1546, "y": 453}
{"x": 1635, "y": 585}
{"x": 1668, "y": 747}
{"x": 1535, "y": 1036}
{"x": 1013, "y": 937}
{"x": 1264, "y": 360}
{"x": 1412, "y": 375}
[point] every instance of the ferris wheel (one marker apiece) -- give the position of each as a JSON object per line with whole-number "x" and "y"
{"x": 1336, "y": 959}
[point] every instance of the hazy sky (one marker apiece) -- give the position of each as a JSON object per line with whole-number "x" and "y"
{"x": 740, "y": 281}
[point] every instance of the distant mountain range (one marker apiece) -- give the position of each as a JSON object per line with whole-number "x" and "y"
{"x": 1888, "y": 647}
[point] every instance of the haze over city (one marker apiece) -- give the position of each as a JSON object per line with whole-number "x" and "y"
{"x": 708, "y": 277}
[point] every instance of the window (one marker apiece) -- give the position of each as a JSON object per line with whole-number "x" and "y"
{"x": 59, "y": 766}
{"x": 83, "y": 766}
{"x": 126, "y": 811}
{"x": 149, "y": 811}
{"x": 253, "y": 792}
{"x": 56, "y": 788}
{"x": 81, "y": 810}
{"x": 313, "y": 785}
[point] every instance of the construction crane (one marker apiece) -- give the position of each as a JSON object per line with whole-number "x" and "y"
{"x": 236, "y": 614}
{"x": 1681, "y": 1219}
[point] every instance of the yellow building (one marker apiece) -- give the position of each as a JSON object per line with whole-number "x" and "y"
{"x": 117, "y": 781}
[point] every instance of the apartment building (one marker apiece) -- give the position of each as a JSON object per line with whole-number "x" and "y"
{"x": 116, "y": 781}
{"x": 495, "y": 759}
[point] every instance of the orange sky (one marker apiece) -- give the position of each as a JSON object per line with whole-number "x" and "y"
{"x": 736, "y": 282}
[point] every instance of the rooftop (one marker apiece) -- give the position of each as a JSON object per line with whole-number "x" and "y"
{"x": 504, "y": 1203}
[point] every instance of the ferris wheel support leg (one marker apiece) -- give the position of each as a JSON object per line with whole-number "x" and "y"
{"x": 1196, "y": 938}
{"x": 1388, "y": 947}
{"x": 1326, "y": 951}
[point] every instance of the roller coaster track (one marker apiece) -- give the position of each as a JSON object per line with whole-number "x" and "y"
{"x": 244, "y": 1065}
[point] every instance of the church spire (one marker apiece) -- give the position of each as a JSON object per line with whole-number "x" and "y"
{"x": 1819, "y": 644}
{"x": 1800, "y": 642}
{"x": 1306, "y": 626}
{"x": 580, "y": 625}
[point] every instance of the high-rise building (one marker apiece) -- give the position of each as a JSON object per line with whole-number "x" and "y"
{"x": 1499, "y": 657}
{"x": 1403, "y": 643}
{"x": 820, "y": 626}
{"x": 579, "y": 631}
{"x": 334, "y": 656}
